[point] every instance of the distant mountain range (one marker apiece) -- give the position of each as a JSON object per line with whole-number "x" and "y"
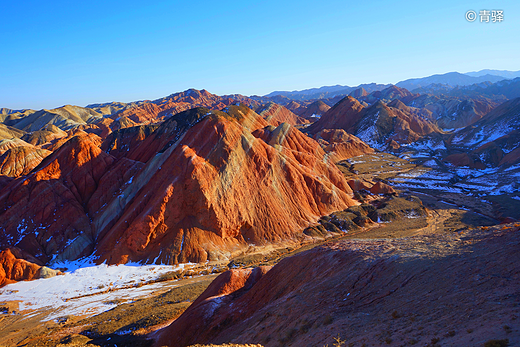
{"x": 502, "y": 73}
{"x": 445, "y": 81}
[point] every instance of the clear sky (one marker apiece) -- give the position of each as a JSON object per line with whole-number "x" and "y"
{"x": 66, "y": 52}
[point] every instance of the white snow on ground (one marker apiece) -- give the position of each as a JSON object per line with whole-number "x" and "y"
{"x": 65, "y": 295}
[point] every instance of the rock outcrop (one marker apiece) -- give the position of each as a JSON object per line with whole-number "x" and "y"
{"x": 14, "y": 269}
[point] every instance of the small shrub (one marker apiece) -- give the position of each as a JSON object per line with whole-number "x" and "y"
{"x": 306, "y": 326}
{"x": 497, "y": 343}
{"x": 450, "y": 333}
{"x": 338, "y": 342}
{"x": 395, "y": 315}
{"x": 388, "y": 340}
{"x": 508, "y": 329}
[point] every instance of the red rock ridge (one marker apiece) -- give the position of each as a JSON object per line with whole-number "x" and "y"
{"x": 343, "y": 115}
{"x": 153, "y": 111}
{"x": 47, "y": 212}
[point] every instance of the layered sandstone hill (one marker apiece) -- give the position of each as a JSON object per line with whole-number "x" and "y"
{"x": 199, "y": 186}
{"x": 21, "y": 160}
{"x": 379, "y": 125}
{"x": 491, "y": 141}
{"x": 454, "y": 112}
{"x": 276, "y": 114}
{"x": 388, "y": 94}
{"x": 340, "y": 145}
{"x": 227, "y": 181}
{"x": 315, "y": 110}
{"x": 65, "y": 117}
{"x": 343, "y": 115}
{"x": 49, "y": 212}
{"x": 450, "y": 290}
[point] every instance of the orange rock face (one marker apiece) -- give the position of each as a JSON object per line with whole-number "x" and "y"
{"x": 21, "y": 160}
{"x": 382, "y": 188}
{"x": 13, "y": 269}
{"x": 46, "y": 213}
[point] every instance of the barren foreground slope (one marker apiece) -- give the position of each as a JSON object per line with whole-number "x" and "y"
{"x": 458, "y": 289}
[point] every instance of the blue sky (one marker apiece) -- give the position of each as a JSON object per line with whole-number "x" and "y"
{"x": 62, "y": 52}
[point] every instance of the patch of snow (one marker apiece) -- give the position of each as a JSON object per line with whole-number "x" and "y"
{"x": 84, "y": 291}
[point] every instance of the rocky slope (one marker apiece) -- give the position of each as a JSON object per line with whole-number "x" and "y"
{"x": 65, "y": 118}
{"x": 340, "y": 145}
{"x": 314, "y": 110}
{"x": 492, "y": 141}
{"x": 449, "y": 290}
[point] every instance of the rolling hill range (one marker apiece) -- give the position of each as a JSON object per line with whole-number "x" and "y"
{"x": 325, "y": 213}
{"x": 222, "y": 167}
{"x": 78, "y": 181}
